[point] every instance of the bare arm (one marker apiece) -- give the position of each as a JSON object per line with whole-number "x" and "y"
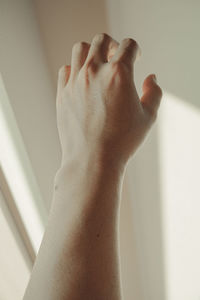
{"x": 101, "y": 122}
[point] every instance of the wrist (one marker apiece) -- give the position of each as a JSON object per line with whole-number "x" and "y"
{"x": 88, "y": 177}
{"x": 90, "y": 164}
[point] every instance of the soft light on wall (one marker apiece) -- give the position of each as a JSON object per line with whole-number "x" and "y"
{"x": 17, "y": 170}
{"x": 179, "y": 142}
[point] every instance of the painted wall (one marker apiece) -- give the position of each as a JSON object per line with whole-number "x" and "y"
{"x": 164, "y": 177}
{"x": 28, "y": 83}
{"x": 37, "y": 39}
{"x": 13, "y": 257}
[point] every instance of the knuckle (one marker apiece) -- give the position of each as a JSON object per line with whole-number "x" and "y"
{"x": 78, "y": 46}
{"x": 84, "y": 44}
{"x": 100, "y": 37}
{"x": 116, "y": 65}
{"x": 129, "y": 42}
{"x": 117, "y": 72}
{"x": 91, "y": 66}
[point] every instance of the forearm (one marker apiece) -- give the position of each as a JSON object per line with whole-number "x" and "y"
{"x": 97, "y": 107}
{"x": 79, "y": 256}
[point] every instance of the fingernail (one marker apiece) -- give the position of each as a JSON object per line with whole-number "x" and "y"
{"x": 154, "y": 78}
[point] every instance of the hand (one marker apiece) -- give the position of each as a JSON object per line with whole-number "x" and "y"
{"x": 98, "y": 108}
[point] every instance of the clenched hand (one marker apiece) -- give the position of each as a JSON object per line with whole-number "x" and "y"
{"x": 98, "y": 109}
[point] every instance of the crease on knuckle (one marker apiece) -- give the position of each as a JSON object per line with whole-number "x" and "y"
{"x": 91, "y": 66}
{"x": 118, "y": 67}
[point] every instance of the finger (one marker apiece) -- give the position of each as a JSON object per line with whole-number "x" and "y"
{"x": 63, "y": 77}
{"x": 79, "y": 55}
{"x": 113, "y": 46}
{"x": 128, "y": 51}
{"x": 152, "y": 95}
{"x": 102, "y": 47}
{"x": 67, "y": 72}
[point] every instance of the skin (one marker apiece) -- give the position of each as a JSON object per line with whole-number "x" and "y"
{"x": 101, "y": 122}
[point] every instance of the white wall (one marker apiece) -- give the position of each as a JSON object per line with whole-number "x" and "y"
{"x": 165, "y": 194}
{"x": 15, "y": 264}
{"x": 62, "y": 23}
{"x": 28, "y": 83}
{"x": 179, "y": 154}
{"x": 168, "y": 35}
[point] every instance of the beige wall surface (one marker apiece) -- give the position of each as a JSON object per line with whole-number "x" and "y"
{"x": 37, "y": 37}
{"x": 62, "y": 23}
{"x": 28, "y": 83}
{"x": 15, "y": 265}
{"x": 168, "y": 33}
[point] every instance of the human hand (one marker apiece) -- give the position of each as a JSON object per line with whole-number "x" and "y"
{"x": 98, "y": 109}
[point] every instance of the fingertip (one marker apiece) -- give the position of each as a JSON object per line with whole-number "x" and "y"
{"x": 156, "y": 86}
{"x": 150, "y": 81}
{"x": 127, "y": 52}
{"x": 153, "y": 76}
{"x": 152, "y": 94}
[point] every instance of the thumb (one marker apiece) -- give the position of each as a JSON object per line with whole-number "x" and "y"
{"x": 152, "y": 95}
